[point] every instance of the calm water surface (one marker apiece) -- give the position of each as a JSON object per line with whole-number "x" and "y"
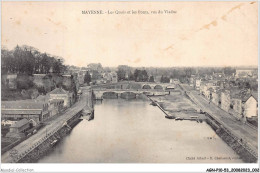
{"x": 133, "y": 131}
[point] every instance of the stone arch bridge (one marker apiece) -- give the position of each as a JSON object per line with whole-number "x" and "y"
{"x": 135, "y": 86}
{"x": 126, "y": 93}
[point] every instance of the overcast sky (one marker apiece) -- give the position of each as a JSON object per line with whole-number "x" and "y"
{"x": 199, "y": 34}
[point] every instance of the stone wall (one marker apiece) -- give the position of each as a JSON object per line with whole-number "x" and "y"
{"x": 245, "y": 153}
{"x": 45, "y": 146}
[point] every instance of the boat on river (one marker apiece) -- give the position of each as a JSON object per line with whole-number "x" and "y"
{"x": 169, "y": 116}
{"x": 194, "y": 118}
{"x": 154, "y": 103}
{"x": 179, "y": 118}
{"x": 54, "y": 142}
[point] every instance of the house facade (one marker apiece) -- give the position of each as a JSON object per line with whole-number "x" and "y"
{"x": 61, "y": 94}
{"x": 237, "y": 105}
{"x": 17, "y": 129}
{"x": 197, "y": 84}
{"x": 225, "y": 100}
{"x": 251, "y": 107}
{"x": 56, "y": 106}
{"x": 216, "y": 95}
{"x": 114, "y": 77}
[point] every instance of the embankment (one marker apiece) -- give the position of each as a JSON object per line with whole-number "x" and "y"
{"x": 245, "y": 153}
{"x": 158, "y": 105}
{"x": 46, "y": 144}
{"x": 237, "y": 144}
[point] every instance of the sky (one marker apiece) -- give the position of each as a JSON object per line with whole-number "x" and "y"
{"x": 198, "y": 34}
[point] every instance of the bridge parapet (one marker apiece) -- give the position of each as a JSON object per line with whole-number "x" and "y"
{"x": 99, "y": 93}
{"x": 134, "y": 85}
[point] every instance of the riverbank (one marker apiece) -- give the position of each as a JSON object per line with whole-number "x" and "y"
{"x": 244, "y": 152}
{"x": 182, "y": 106}
{"x": 48, "y": 143}
{"x": 176, "y": 105}
{"x": 69, "y": 118}
{"x": 235, "y": 140}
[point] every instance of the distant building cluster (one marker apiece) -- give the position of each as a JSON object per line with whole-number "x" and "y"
{"x": 228, "y": 93}
{"x": 97, "y": 73}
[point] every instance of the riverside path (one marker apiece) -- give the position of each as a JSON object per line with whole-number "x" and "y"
{"x": 51, "y": 127}
{"x": 238, "y": 128}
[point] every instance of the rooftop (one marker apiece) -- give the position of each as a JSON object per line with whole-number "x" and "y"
{"x": 20, "y": 123}
{"x": 44, "y": 98}
{"x": 56, "y": 100}
{"x": 21, "y": 112}
{"x": 23, "y": 104}
{"x": 58, "y": 91}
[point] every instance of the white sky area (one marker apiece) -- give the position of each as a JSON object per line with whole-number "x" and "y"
{"x": 199, "y": 34}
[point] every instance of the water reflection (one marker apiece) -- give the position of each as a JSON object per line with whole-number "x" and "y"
{"x": 133, "y": 131}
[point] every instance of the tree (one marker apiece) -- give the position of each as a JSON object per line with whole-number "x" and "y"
{"x": 162, "y": 79}
{"x": 7, "y": 61}
{"x": 151, "y": 79}
{"x": 141, "y": 75}
{"x": 57, "y": 65}
{"x": 95, "y": 75}
{"x": 95, "y": 66}
{"x": 165, "y": 79}
{"x": 229, "y": 71}
{"x": 188, "y": 72}
{"x": 87, "y": 78}
{"x": 121, "y": 74}
{"x": 144, "y": 76}
{"x": 136, "y": 73}
{"x": 28, "y": 60}
{"x": 131, "y": 76}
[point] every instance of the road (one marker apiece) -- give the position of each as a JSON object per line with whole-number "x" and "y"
{"x": 51, "y": 126}
{"x": 238, "y": 128}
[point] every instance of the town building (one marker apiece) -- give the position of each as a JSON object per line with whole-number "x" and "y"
{"x": 10, "y": 80}
{"x": 17, "y": 129}
{"x": 197, "y": 83}
{"x": 244, "y": 72}
{"x": 55, "y": 106}
{"x": 34, "y": 110}
{"x": 218, "y": 76}
{"x": 236, "y": 100}
{"x": 216, "y": 97}
{"x": 7, "y": 122}
{"x": 114, "y": 77}
{"x": 250, "y": 106}
{"x": 236, "y": 103}
{"x": 225, "y": 100}
{"x": 61, "y": 94}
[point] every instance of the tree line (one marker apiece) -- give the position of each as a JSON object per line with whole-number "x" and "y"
{"x": 29, "y": 60}
{"x": 137, "y": 76}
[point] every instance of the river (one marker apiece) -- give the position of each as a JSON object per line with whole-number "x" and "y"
{"x": 133, "y": 131}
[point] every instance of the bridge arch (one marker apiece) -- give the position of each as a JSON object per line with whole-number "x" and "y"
{"x": 146, "y": 86}
{"x": 110, "y": 95}
{"x": 128, "y": 95}
{"x": 158, "y": 87}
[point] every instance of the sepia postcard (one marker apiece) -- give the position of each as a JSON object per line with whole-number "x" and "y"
{"x": 129, "y": 86}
